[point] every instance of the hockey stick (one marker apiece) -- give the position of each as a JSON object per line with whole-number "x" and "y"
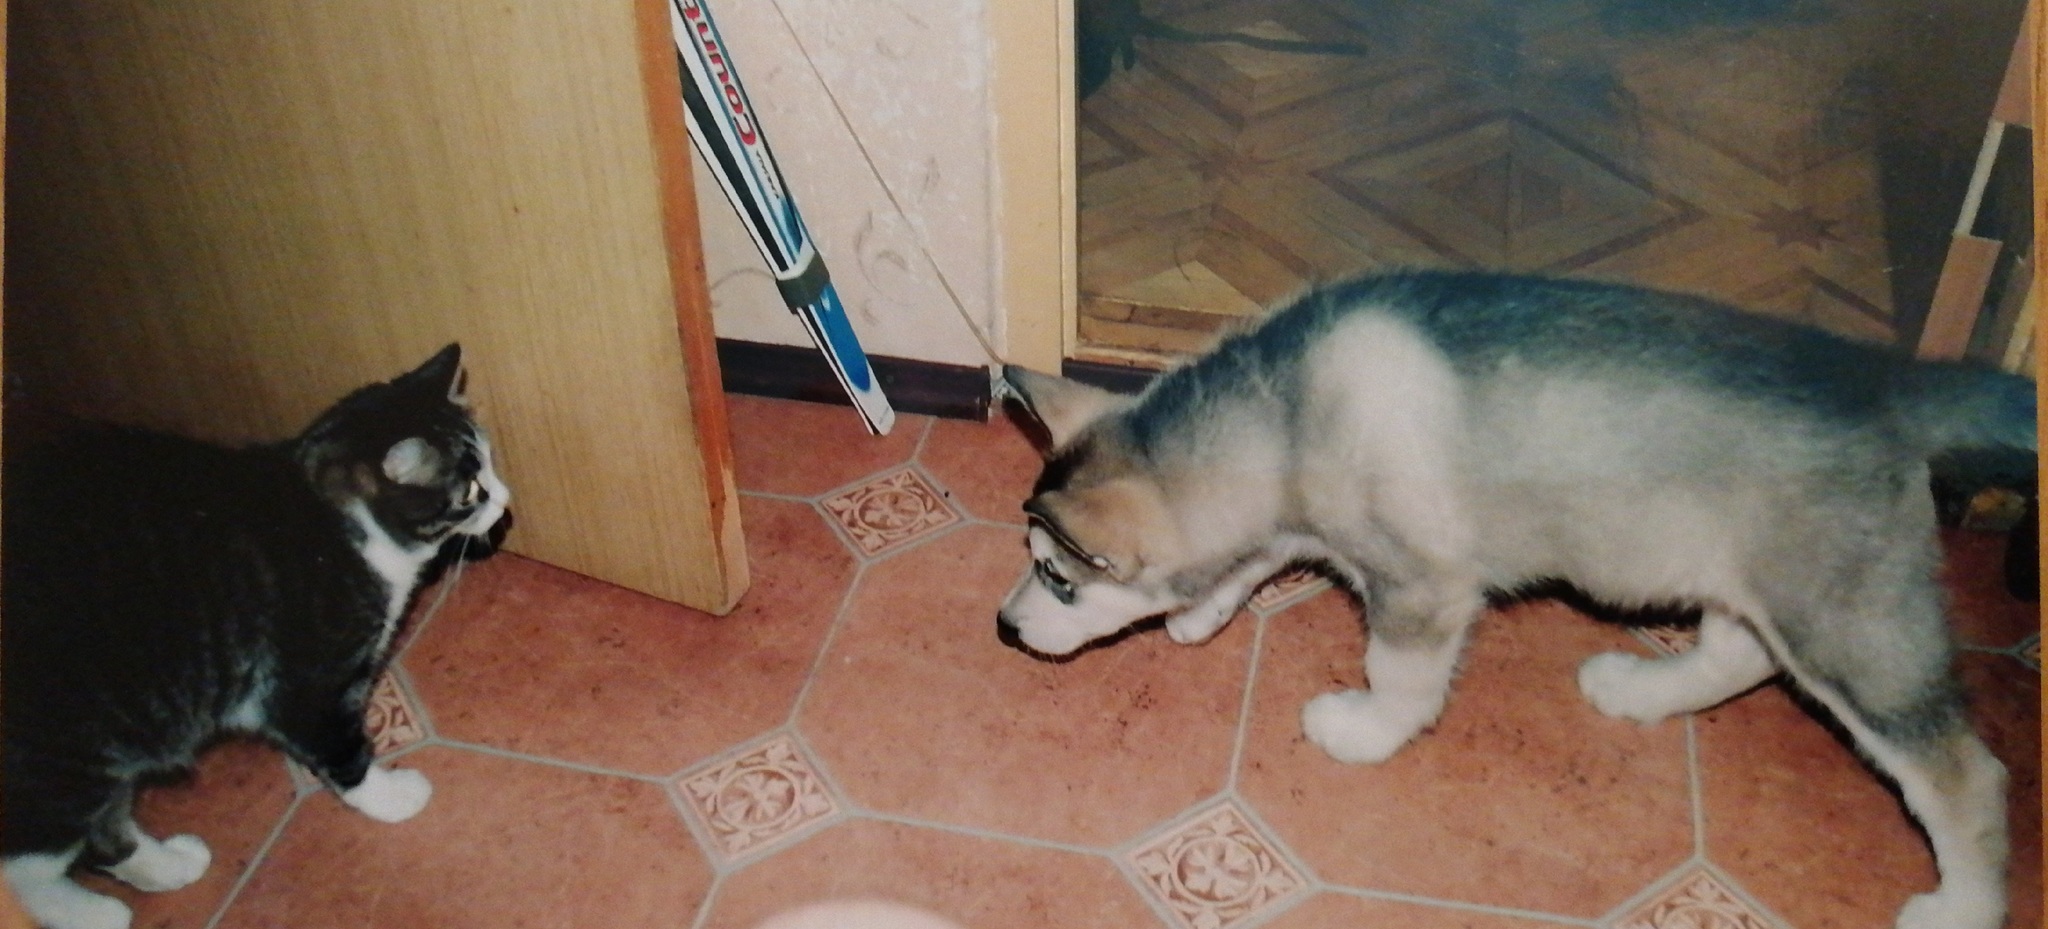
{"x": 723, "y": 127}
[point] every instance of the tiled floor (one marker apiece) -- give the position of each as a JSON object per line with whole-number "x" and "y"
{"x": 854, "y": 729}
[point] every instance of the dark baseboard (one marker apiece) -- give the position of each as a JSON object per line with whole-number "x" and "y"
{"x": 790, "y": 372}
{"x": 1123, "y": 379}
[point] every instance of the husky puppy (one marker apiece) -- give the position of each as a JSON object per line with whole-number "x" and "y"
{"x": 1430, "y": 437}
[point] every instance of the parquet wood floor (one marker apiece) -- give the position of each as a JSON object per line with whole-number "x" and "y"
{"x": 1731, "y": 159}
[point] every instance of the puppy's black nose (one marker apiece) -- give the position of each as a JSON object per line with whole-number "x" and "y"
{"x": 1006, "y": 633}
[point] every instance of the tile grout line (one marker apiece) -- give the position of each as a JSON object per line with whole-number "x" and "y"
{"x": 1696, "y": 786}
{"x": 410, "y": 693}
{"x": 1480, "y": 908}
{"x": 856, "y": 812}
{"x": 480, "y": 748}
{"x": 1244, "y": 705}
{"x": 917, "y": 448}
{"x": 257, "y": 859}
{"x": 839, "y": 618}
{"x": 710, "y": 901}
{"x": 780, "y": 498}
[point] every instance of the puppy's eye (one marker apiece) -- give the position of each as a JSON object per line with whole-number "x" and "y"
{"x": 1061, "y": 587}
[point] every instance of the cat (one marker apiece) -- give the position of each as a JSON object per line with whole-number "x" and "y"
{"x": 161, "y": 593}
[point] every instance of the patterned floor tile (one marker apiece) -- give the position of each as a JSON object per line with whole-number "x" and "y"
{"x": 750, "y": 802}
{"x": 1287, "y": 590}
{"x": 391, "y": 719}
{"x": 890, "y": 512}
{"x": 1698, "y": 901}
{"x": 1668, "y": 640}
{"x": 1216, "y": 871}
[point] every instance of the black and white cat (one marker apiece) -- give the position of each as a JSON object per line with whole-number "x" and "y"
{"x": 161, "y": 593}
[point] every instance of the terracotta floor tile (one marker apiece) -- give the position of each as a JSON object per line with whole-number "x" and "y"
{"x": 234, "y": 802}
{"x": 1522, "y": 797}
{"x": 983, "y": 883}
{"x": 919, "y": 710}
{"x": 1983, "y": 612}
{"x": 1800, "y": 822}
{"x": 989, "y": 467}
{"x": 503, "y": 843}
{"x": 806, "y": 449}
{"x": 1343, "y": 911}
{"x": 538, "y": 660}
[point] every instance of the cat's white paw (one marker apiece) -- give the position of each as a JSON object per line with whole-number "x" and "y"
{"x": 167, "y": 865}
{"x": 69, "y": 906}
{"x": 1356, "y": 726}
{"x": 388, "y": 795}
{"x": 1949, "y": 909}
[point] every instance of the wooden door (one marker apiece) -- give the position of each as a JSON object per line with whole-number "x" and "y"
{"x": 225, "y": 215}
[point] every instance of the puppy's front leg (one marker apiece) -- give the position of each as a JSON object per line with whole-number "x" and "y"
{"x": 1208, "y": 616}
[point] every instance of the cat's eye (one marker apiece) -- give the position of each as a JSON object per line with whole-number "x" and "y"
{"x": 472, "y": 492}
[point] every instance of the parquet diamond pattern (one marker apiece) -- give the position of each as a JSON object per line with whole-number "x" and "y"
{"x": 1217, "y": 178}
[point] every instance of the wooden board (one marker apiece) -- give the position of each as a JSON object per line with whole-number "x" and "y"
{"x": 226, "y": 215}
{"x": 1959, "y": 298}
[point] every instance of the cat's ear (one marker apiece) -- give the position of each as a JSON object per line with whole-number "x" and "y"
{"x": 412, "y": 461}
{"x": 442, "y": 373}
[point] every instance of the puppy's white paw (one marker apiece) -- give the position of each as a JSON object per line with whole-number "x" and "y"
{"x": 1949, "y": 909}
{"x": 1197, "y": 625}
{"x": 1357, "y": 726}
{"x": 388, "y": 795}
{"x": 168, "y": 865}
{"x": 1612, "y": 682}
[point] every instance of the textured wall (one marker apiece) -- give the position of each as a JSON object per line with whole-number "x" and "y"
{"x": 879, "y": 115}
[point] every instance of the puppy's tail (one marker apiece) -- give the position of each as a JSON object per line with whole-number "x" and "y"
{"x": 1955, "y": 406}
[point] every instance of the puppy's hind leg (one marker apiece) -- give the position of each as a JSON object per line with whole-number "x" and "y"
{"x": 1727, "y": 661}
{"x": 1905, "y": 712}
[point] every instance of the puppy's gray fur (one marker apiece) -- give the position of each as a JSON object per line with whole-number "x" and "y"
{"x": 1433, "y": 436}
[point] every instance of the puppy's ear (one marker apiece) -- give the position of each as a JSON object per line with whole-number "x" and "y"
{"x": 1121, "y": 526}
{"x": 1062, "y": 406}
